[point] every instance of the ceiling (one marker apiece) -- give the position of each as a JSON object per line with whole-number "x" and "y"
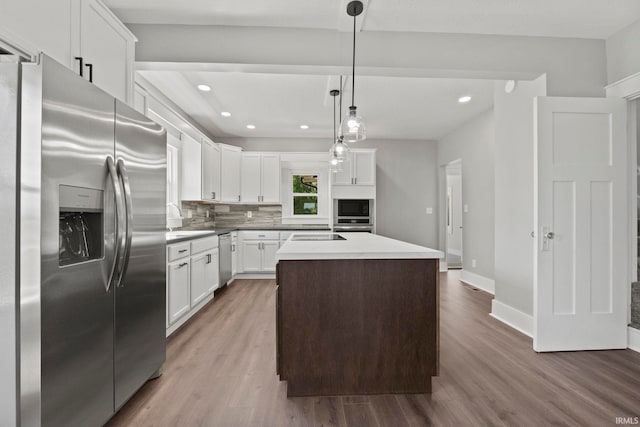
{"x": 393, "y": 107}
{"x": 277, "y": 104}
{"x": 552, "y": 18}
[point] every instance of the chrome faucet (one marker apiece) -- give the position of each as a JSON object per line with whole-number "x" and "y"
{"x": 171, "y": 217}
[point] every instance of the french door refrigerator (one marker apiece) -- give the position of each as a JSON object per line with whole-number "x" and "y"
{"x": 90, "y": 278}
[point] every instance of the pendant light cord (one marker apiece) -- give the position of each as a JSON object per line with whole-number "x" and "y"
{"x": 334, "y": 119}
{"x": 340, "y": 96}
{"x": 353, "y": 68}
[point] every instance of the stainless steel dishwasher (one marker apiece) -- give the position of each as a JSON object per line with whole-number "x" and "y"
{"x": 225, "y": 258}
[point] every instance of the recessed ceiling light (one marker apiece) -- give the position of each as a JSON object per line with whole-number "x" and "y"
{"x": 204, "y": 88}
{"x": 251, "y": 126}
{"x": 225, "y": 114}
{"x": 304, "y": 126}
{"x": 464, "y": 99}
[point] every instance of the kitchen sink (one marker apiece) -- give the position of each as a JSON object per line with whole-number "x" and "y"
{"x": 317, "y": 237}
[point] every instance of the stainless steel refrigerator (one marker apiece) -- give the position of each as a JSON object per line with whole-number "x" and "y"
{"x": 89, "y": 291}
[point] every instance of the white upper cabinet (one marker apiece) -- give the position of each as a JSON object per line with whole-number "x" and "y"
{"x": 40, "y": 26}
{"x": 260, "y": 178}
{"x": 191, "y": 165}
{"x": 359, "y": 170}
{"x": 66, "y": 29}
{"x": 230, "y": 164}
{"x": 210, "y": 170}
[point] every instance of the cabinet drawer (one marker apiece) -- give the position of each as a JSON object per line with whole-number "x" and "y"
{"x": 261, "y": 235}
{"x": 179, "y": 250}
{"x": 201, "y": 245}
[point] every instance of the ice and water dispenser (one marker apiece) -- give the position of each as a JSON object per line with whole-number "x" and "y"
{"x": 81, "y": 226}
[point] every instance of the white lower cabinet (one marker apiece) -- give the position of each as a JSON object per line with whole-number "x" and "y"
{"x": 177, "y": 289}
{"x": 234, "y": 253}
{"x": 259, "y": 251}
{"x": 204, "y": 275}
{"x": 192, "y": 276}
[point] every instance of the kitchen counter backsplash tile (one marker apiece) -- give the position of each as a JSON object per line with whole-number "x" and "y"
{"x": 209, "y": 215}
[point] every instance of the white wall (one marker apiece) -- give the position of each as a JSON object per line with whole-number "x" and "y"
{"x": 623, "y": 53}
{"x": 514, "y": 195}
{"x": 473, "y": 143}
{"x": 406, "y": 182}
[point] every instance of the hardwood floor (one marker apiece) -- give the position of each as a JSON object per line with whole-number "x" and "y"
{"x": 220, "y": 371}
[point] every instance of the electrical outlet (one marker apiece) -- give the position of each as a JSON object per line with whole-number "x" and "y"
{"x": 429, "y": 211}
{"x": 249, "y": 214}
{"x": 466, "y": 208}
{"x": 206, "y": 213}
{"x": 474, "y": 264}
{"x": 189, "y": 213}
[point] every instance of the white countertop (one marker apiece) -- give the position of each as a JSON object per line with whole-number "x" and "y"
{"x": 356, "y": 246}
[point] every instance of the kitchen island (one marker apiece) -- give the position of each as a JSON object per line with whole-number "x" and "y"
{"x": 356, "y": 315}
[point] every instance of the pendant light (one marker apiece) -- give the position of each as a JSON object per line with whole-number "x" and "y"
{"x": 335, "y": 158}
{"x": 340, "y": 147}
{"x": 352, "y": 128}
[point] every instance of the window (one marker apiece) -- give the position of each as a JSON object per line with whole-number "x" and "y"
{"x": 304, "y": 190}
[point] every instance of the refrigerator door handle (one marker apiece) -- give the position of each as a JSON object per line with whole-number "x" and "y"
{"x": 113, "y": 175}
{"x": 122, "y": 173}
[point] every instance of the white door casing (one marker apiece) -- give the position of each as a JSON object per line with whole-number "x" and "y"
{"x": 580, "y": 216}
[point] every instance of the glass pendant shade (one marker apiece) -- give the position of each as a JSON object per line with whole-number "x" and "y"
{"x": 352, "y": 128}
{"x": 341, "y": 149}
{"x": 335, "y": 165}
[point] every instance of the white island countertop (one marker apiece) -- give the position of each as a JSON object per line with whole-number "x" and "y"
{"x": 355, "y": 246}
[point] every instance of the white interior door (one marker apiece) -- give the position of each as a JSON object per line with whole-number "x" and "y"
{"x": 580, "y": 282}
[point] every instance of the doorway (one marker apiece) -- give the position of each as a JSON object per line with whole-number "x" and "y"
{"x": 453, "y": 214}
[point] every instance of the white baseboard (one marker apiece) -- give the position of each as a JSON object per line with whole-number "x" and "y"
{"x": 255, "y": 276}
{"x": 512, "y": 317}
{"x": 634, "y": 339}
{"x": 480, "y": 282}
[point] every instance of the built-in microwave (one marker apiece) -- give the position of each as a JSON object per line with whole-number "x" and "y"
{"x": 354, "y": 208}
{"x": 353, "y": 215}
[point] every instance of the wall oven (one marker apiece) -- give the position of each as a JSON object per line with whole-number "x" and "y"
{"x": 353, "y": 215}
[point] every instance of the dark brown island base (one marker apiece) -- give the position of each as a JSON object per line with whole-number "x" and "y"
{"x": 357, "y": 316}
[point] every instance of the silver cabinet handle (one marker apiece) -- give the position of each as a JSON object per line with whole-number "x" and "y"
{"x": 122, "y": 173}
{"x": 182, "y": 250}
{"x": 233, "y": 248}
{"x": 208, "y": 258}
{"x": 113, "y": 175}
{"x": 238, "y": 198}
{"x": 262, "y": 235}
{"x": 183, "y": 264}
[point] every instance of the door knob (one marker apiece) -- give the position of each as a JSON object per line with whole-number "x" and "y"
{"x": 549, "y": 235}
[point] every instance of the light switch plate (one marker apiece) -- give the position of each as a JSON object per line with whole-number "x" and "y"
{"x": 429, "y": 211}
{"x": 466, "y": 208}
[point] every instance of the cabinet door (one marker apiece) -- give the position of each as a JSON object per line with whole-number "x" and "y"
{"x": 251, "y": 179}
{"x": 210, "y": 171}
{"x": 230, "y": 174}
{"x": 105, "y": 44}
{"x": 178, "y": 290}
{"x": 199, "y": 285}
{"x": 343, "y": 177}
{"x": 40, "y": 26}
{"x": 191, "y": 182}
{"x": 251, "y": 256}
{"x": 364, "y": 165}
{"x": 234, "y": 256}
{"x": 212, "y": 271}
{"x": 269, "y": 249}
{"x": 271, "y": 178}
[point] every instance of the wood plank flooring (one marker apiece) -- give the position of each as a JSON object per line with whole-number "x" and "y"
{"x": 220, "y": 371}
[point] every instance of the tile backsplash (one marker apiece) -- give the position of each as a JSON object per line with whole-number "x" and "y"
{"x": 217, "y": 215}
